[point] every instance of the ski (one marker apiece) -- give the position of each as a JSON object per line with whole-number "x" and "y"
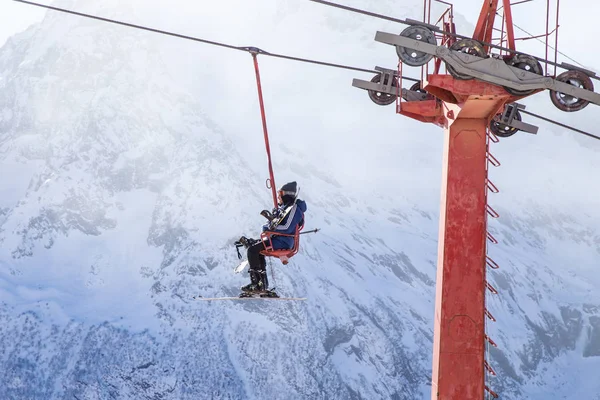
{"x": 241, "y": 267}
{"x": 249, "y": 298}
{"x": 268, "y": 295}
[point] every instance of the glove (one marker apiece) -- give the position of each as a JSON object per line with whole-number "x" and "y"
{"x": 247, "y": 242}
{"x": 267, "y": 215}
{"x": 243, "y": 241}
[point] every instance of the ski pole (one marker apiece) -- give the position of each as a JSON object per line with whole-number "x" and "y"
{"x": 313, "y": 231}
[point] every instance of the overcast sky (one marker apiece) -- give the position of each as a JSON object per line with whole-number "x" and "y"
{"x": 16, "y": 17}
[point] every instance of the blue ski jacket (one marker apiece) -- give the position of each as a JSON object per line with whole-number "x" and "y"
{"x": 287, "y": 226}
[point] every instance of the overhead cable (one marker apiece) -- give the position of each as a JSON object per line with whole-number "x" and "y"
{"x": 531, "y": 36}
{"x": 560, "y": 124}
{"x": 553, "y": 48}
{"x": 356, "y": 10}
{"x": 211, "y": 42}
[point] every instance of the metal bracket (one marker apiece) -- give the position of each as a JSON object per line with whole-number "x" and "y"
{"x": 386, "y": 70}
{"x": 575, "y": 67}
{"x": 411, "y": 95}
{"x": 376, "y": 87}
{"x": 406, "y": 94}
{"x": 387, "y": 75}
{"x": 380, "y": 87}
{"x": 490, "y": 70}
{"x": 508, "y": 118}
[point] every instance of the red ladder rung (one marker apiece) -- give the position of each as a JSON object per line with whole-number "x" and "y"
{"x": 489, "y": 315}
{"x": 493, "y": 160}
{"x": 493, "y": 188}
{"x": 493, "y": 213}
{"x": 492, "y": 137}
{"x": 490, "y": 369}
{"x": 491, "y": 238}
{"x": 491, "y": 288}
{"x": 491, "y": 341}
{"x": 490, "y": 391}
{"x": 491, "y": 263}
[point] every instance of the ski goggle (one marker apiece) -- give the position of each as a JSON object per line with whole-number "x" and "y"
{"x": 282, "y": 193}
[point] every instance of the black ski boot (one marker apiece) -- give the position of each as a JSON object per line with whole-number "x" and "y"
{"x": 255, "y": 286}
{"x": 263, "y": 280}
{"x": 252, "y": 288}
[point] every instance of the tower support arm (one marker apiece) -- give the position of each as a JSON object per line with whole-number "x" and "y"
{"x": 485, "y": 24}
{"x": 510, "y": 30}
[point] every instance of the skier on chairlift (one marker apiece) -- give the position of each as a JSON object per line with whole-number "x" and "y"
{"x": 283, "y": 221}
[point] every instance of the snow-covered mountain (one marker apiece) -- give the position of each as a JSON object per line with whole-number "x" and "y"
{"x": 131, "y": 162}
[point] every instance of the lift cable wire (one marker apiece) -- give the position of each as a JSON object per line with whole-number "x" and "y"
{"x": 541, "y": 41}
{"x": 434, "y": 28}
{"x": 560, "y": 124}
{"x": 531, "y": 36}
{"x": 553, "y": 48}
{"x": 247, "y": 49}
{"x": 356, "y": 10}
{"x": 254, "y": 50}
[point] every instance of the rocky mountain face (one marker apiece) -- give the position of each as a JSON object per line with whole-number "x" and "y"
{"x": 129, "y": 172}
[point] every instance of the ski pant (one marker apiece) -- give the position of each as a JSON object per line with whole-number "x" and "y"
{"x": 258, "y": 264}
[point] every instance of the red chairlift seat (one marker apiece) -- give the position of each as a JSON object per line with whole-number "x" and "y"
{"x": 283, "y": 254}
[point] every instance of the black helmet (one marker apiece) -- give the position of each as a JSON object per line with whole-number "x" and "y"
{"x": 289, "y": 192}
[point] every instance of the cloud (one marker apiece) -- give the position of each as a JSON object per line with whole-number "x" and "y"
{"x": 16, "y": 17}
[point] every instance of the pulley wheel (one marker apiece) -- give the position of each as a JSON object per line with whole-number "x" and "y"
{"x": 526, "y": 63}
{"x": 467, "y": 46}
{"x": 412, "y": 57}
{"x": 417, "y": 88}
{"x": 380, "y": 98}
{"x": 503, "y": 130}
{"x": 567, "y": 102}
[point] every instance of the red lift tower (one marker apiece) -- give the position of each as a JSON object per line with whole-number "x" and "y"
{"x": 475, "y": 102}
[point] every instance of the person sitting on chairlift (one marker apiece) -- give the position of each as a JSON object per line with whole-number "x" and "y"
{"x": 292, "y": 209}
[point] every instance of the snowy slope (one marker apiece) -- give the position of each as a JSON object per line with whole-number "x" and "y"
{"x": 133, "y": 162}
